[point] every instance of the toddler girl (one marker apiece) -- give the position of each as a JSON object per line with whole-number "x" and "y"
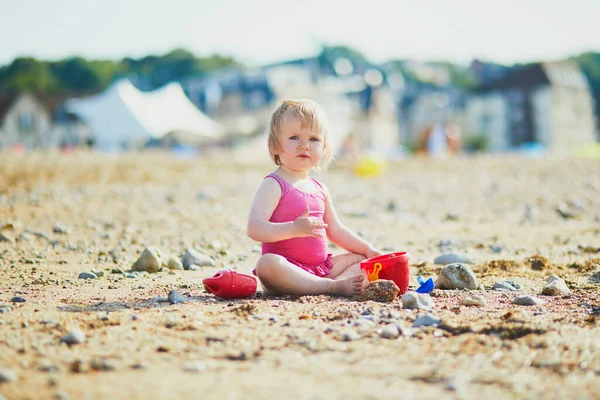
{"x": 292, "y": 214}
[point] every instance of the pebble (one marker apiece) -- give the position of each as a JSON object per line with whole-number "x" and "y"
{"x": 506, "y": 285}
{"x": 419, "y": 301}
{"x": 389, "y": 332}
{"x": 349, "y": 335}
{"x": 98, "y": 273}
{"x": 555, "y": 287}
{"x": 194, "y": 257}
{"x": 149, "y": 260}
{"x": 76, "y": 336}
{"x": 175, "y": 297}
{"x": 18, "y": 299}
{"x": 7, "y": 375}
{"x": 456, "y": 276}
{"x": 59, "y": 229}
{"x": 173, "y": 263}
{"x": 475, "y": 300}
{"x": 528, "y": 300}
{"x": 87, "y": 275}
{"x": 381, "y": 290}
{"x": 195, "y": 366}
{"x": 5, "y": 238}
{"x": 5, "y": 309}
{"x": 594, "y": 279}
{"x": 452, "y": 258}
{"x": 102, "y": 364}
{"x": 496, "y": 249}
{"x": 47, "y": 366}
{"x": 426, "y": 320}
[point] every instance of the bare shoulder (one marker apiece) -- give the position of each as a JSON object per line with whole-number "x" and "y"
{"x": 325, "y": 188}
{"x": 269, "y": 190}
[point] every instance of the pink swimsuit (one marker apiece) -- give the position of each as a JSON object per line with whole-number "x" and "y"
{"x": 308, "y": 253}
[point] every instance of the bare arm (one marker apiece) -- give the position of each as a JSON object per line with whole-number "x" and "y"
{"x": 342, "y": 236}
{"x": 262, "y": 230}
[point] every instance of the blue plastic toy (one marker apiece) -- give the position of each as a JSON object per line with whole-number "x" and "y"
{"x": 427, "y": 286}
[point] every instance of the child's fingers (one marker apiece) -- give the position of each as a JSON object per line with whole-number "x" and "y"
{"x": 305, "y": 213}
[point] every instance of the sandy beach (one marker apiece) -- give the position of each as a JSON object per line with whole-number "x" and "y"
{"x": 514, "y": 218}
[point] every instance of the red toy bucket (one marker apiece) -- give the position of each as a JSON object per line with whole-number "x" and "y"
{"x": 392, "y": 266}
{"x": 229, "y": 284}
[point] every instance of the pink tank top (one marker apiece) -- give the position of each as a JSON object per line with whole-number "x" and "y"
{"x": 307, "y": 250}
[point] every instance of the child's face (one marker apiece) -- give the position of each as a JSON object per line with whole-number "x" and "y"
{"x": 301, "y": 147}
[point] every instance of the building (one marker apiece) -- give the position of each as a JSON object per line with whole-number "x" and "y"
{"x": 25, "y": 121}
{"x": 548, "y": 104}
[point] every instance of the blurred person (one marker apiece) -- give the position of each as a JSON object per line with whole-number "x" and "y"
{"x": 293, "y": 216}
{"x": 454, "y": 137}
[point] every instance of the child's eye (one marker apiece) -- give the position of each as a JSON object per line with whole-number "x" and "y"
{"x": 314, "y": 139}
{"x": 294, "y": 138}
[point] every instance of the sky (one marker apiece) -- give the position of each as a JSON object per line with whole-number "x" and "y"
{"x": 263, "y": 31}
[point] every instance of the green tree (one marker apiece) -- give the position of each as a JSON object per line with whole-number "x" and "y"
{"x": 28, "y": 74}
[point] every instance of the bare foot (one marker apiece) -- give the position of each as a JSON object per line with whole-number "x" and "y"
{"x": 349, "y": 287}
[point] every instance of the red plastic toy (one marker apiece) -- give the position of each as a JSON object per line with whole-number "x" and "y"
{"x": 229, "y": 284}
{"x": 392, "y": 266}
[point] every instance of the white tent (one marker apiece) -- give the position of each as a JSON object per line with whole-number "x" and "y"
{"x": 123, "y": 116}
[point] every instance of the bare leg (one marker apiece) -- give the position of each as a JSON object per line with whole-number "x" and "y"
{"x": 348, "y": 265}
{"x": 278, "y": 276}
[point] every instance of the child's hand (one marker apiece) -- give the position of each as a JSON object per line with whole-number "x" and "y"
{"x": 306, "y": 226}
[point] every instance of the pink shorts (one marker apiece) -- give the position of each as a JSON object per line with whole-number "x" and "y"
{"x": 322, "y": 270}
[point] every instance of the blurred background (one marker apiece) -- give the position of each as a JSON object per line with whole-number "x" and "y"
{"x": 396, "y": 77}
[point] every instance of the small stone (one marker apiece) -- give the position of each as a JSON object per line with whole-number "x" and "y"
{"x": 389, "y": 332}
{"x": 528, "y": 300}
{"x": 149, "y": 261}
{"x": 426, "y": 320}
{"x": 216, "y": 245}
{"x": 87, "y": 275}
{"x": 175, "y": 297}
{"x": 17, "y": 299}
{"x": 7, "y": 375}
{"x": 382, "y": 290}
{"x": 594, "y": 279}
{"x": 173, "y": 263}
{"x": 451, "y": 258}
{"x": 47, "y": 366}
{"x": 475, "y": 300}
{"x": 506, "y": 285}
{"x": 419, "y": 301}
{"x": 78, "y": 366}
{"x": 76, "y": 336}
{"x": 102, "y": 364}
{"x": 195, "y": 366}
{"x": 349, "y": 336}
{"x": 555, "y": 287}
{"x": 59, "y": 229}
{"x": 456, "y": 276}
{"x": 5, "y": 309}
{"x": 6, "y": 238}
{"x": 496, "y": 249}
{"x": 98, "y": 273}
{"x": 194, "y": 267}
{"x": 194, "y": 257}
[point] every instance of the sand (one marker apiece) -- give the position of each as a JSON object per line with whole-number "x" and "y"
{"x": 63, "y": 215}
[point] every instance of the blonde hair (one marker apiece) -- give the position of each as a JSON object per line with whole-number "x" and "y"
{"x": 310, "y": 114}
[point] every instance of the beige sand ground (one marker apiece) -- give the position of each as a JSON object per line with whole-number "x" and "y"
{"x": 293, "y": 347}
